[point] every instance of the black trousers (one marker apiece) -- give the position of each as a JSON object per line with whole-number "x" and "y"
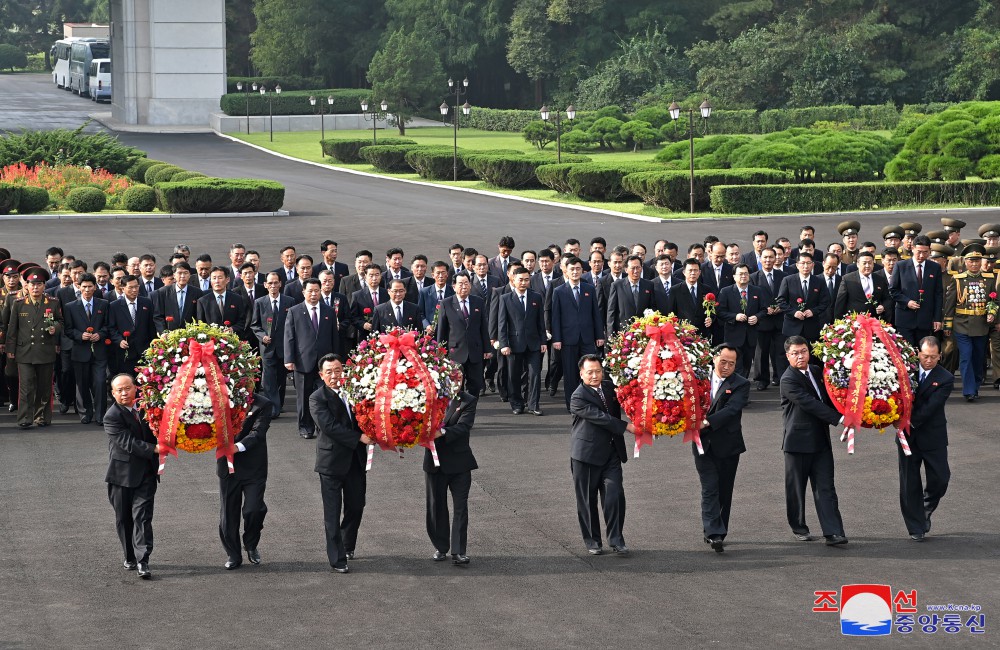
{"x": 516, "y": 365}
{"x": 472, "y": 376}
{"x": 817, "y": 469}
{"x": 65, "y": 381}
{"x": 553, "y": 367}
{"x": 769, "y": 359}
{"x": 134, "y": 517}
{"x": 91, "y": 391}
{"x": 917, "y": 501}
{"x": 746, "y": 358}
{"x": 913, "y": 335}
{"x": 273, "y": 379}
{"x": 236, "y": 494}
{"x": 305, "y": 384}
{"x": 441, "y": 532}
{"x": 717, "y": 476}
{"x": 569, "y": 356}
{"x": 345, "y": 493}
{"x": 588, "y": 481}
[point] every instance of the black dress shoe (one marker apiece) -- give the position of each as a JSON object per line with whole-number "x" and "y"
{"x": 996, "y": 386}
{"x": 774, "y": 382}
{"x": 439, "y": 556}
{"x": 307, "y": 436}
{"x": 86, "y": 419}
{"x": 63, "y": 409}
{"x": 253, "y": 555}
{"x": 620, "y": 550}
{"x": 11, "y": 407}
{"x": 917, "y": 537}
{"x": 129, "y": 565}
{"x": 717, "y": 545}
{"x": 233, "y": 564}
{"x": 25, "y": 425}
{"x": 761, "y": 385}
{"x": 349, "y": 555}
{"x": 970, "y": 398}
{"x": 342, "y": 569}
{"x": 534, "y": 412}
{"x": 518, "y": 411}
{"x": 459, "y": 559}
{"x": 144, "y": 571}
{"x": 553, "y": 391}
{"x": 99, "y": 423}
{"x": 503, "y": 399}
{"x": 596, "y": 551}
{"x": 492, "y": 386}
{"x": 927, "y": 526}
{"x": 803, "y": 537}
{"x": 835, "y": 540}
{"x": 41, "y": 423}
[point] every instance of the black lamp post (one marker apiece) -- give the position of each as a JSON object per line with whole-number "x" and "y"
{"x": 239, "y": 87}
{"x": 706, "y": 112}
{"x": 270, "y": 107}
{"x": 374, "y": 114}
{"x": 322, "y": 114}
{"x": 460, "y": 90}
{"x": 570, "y": 115}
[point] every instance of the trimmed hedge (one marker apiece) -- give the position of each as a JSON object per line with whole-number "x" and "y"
{"x": 86, "y": 199}
{"x": 437, "y": 163}
{"x": 601, "y": 181}
{"x": 672, "y": 189}
{"x": 10, "y": 195}
{"x": 295, "y": 102}
{"x": 163, "y": 174}
{"x": 390, "y": 158}
{"x": 220, "y": 195}
{"x": 184, "y": 176}
{"x": 139, "y": 198}
{"x": 498, "y": 119}
{"x": 137, "y": 172}
{"x": 554, "y": 176}
{"x": 287, "y": 82}
{"x": 836, "y": 197}
{"x": 512, "y": 170}
{"x": 33, "y": 200}
{"x": 346, "y": 150}
{"x": 147, "y": 176}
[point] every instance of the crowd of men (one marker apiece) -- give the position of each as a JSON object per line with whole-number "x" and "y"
{"x": 518, "y": 324}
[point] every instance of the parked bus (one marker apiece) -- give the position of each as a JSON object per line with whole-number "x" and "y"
{"x": 60, "y": 62}
{"x": 99, "y": 80}
{"x": 82, "y": 52}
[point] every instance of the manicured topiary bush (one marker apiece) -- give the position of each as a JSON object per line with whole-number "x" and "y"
{"x": 671, "y": 189}
{"x": 390, "y": 158}
{"x": 139, "y": 198}
{"x": 86, "y": 199}
{"x": 220, "y": 195}
{"x": 347, "y": 150}
{"x": 602, "y": 181}
{"x": 554, "y": 176}
{"x": 183, "y": 176}
{"x": 33, "y": 200}
{"x": 437, "y": 162}
{"x": 949, "y": 145}
{"x": 512, "y": 170}
{"x": 10, "y": 195}
{"x": 137, "y": 172}
{"x": 163, "y": 174}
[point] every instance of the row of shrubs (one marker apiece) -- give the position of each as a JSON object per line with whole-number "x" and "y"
{"x": 173, "y": 189}
{"x": 294, "y": 102}
{"x": 836, "y": 197}
{"x": 23, "y": 198}
{"x": 70, "y": 147}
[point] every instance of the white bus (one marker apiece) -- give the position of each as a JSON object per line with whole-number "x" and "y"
{"x": 82, "y": 52}
{"x": 60, "y": 62}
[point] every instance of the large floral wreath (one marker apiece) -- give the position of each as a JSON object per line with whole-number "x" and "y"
{"x": 868, "y": 369}
{"x": 401, "y": 384}
{"x": 196, "y": 386}
{"x": 661, "y": 367}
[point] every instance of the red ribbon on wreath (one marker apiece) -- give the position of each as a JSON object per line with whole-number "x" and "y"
{"x": 661, "y": 336}
{"x": 199, "y": 355}
{"x": 403, "y": 345}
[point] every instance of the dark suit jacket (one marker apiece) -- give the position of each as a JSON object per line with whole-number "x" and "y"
{"x": 759, "y": 279}
{"x": 660, "y": 294}
{"x": 384, "y": 317}
{"x": 724, "y": 435}
{"x": 521, "y": 330}
{"x": 427, "y": 302}
{"x": 304, "y": 346}
{"x": 76, "y": 324}
{"x": 739, "y": 333}
{"x": 491, "y": 284}
{"x": 235, "y": 312}
{"x": 350, "y": 284}
{"x": 338, "y": 441}
{"x": 818, "y": 301}
{"x": 596, "y": 435}
{"x": 621, "y": 307}
{"x": 258, "y": 291}
{"x": 604, "y": 294}
{"x": 903, "y": 288}
{"x": 360, "y": 301}
{"x": 283, "y": 275}
{"x": 928, "y": 424}
{"x": 828, "y": 313}
{"x": 140, "y": 334}
{"x": 851, "y": 296}
{"x": 465, "y": 340}
{"x": 263, "y": 311}
{"x": 680, "y": 304}
{"x": 165, "y": 304}
{"x": 576, "y": 323}
{"x": 340, "y": 271}
{"x": 157, "y": 283}
{"x": 67, "y": 295}
{"x": 496, "y": 268}
{"x": 750, "y": 259}
{"x": 131, "y": 448}
{"x": 454, "y": 452}
{"x": 708, "y": 277}
{"x": 252, "y": 463}
{"x": 293, "y": 290}
{"x": 805, "y": 416}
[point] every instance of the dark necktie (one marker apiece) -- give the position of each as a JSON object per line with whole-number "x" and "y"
{"x": 920, "y": 276}
{"x": 399, "y": 314}
{"x": 465, "y": 310}
{"x": 815, "y": 386}
{"x": 770, "y": 284}
{"x": 576, "y": 293}
{"x": 149, "y": 287}
{"x": 829, "y": 285}
{"x": 88, "y": 311}
{"x": 635, "y": 295}
{"x": 315, "y": 319}
{"x": 600, "y": 393}
{"x": 805, "y": 289}
{"x": 440, "y": 295}
{"x": 220, "y": 301}
{"x": 694, "y": 295}
{"x": 274, "y": 307}
{"x": 524, "y": 304}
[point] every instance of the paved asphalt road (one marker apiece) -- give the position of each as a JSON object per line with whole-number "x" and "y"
{"x": 530, "y": 584}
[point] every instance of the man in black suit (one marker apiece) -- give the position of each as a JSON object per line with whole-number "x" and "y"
{"x": 340, "y": 463}
{"x": 742, "y": 307}
{"x": 831, "y": 278}
{"x": 454, "y": 475}
{"x": 463, "y": 328}
{"x": 753, "y": 259}
{"x": 396, "y": 312}
{"x": 575, "y": 323}
{"x": 769, "y": 360}
{"x": 339, "y": 269}
{"x": 917, "y": 289}
{"x": 223, "y": 307}
{"x": 722, "y": 441}
{"x": 244, "y": 488}
{"x": 807, "y": 413}
{"x": 597, "y": 451}
{"x": 341, "y": 307}
{"x": 131, "y": 327}
{"x": 662, "y": 282}
{"x": 365, "y": 300}
{"x": 268, "y": 324}
{"x": 616, "y": 272}
{"x": 303, "y": 270}
{"x": 521, "y": 333}
{"x": 246, "y": 284}
{"x": 310, "y": 333}
{"x": 287, "y": 269}
{"x": 356, "y": 280}
{"x": 237, "y": 258}
{"x": 497, "y": 267}
{"x": 687, "y": 298}
{"x": 131, "y": 477}
{"x": 431, "y": 296}
{"x": 928, "y": 440}
{"x": 863, "y": 291}
{"x": 485, "y": 285}
{"x": 148, "y": 282}
{"x": 803, "y": 299}
{"x": 86, "y": 323}
{"x": 629, "y": 297}
{"x": 176, "y": 306}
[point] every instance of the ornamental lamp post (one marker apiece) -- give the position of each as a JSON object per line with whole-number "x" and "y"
{"x": 322, "y": 113}
{"x": 246, "y": 95}
{"x": 570, "y": 115}
{"x": 374, "y": 114}
{"x": 460, "y": 90}
{"x": 706, "y": 112}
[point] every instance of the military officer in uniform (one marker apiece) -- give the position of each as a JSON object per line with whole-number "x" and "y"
{"x": 954, "y": 229}
{"x": 10, "y": 290}
{"x": 944, "y": 255}
{"x": 910, "y": 230}
{"x": 990, "y": 264}
{"x": 892, "y": 236}
{"x": 32, "y": 341}
{"x": 965, "y": 318}
{"x": 991, "y": 233}
{"x": 849, "y": 231}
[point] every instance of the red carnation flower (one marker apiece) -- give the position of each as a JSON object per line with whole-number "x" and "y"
{"x": 367, "y": 310}
{"x": 170, "y": 319}
{"x": 90, "y": 330}
{"x": 107, "y": 341}
{"x": 799, "y": 300}
{"x": 226, "y": 323}
{"x": 993, "y": 295}
{"x": 709, "y": 296}
{"x": 126, "y": 333}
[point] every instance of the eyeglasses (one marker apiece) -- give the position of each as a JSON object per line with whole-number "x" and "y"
{"x": 798, "y": 353}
